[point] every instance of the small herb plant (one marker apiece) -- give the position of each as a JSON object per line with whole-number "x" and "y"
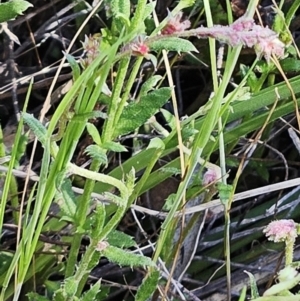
{"x": 105, "y": 77}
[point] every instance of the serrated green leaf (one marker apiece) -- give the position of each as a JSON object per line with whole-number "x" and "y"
{"x": 34, "y": 296}
{"x": 98, "y": 223}
{"x": 136, "y": 114}
{"x": 73, "y": 64}
{"x": 36, "y": 126}
{"x": 91, "y": 294}
{"x": 169, "y": 202}
{"x": 10, "y": 10}
{"x": 121, "y": 12}
{"x": 148, "y": 286}
{"x": 156, "y": 143}
{"x": 188, "y": 132}
{"x": 290, "y": 65}
{"x": 59, "y": 295}
{"x": 149, "y": 84}
{"x": 51, "y": 286}
{"x": 173, "y": 44}
{"x": 114, "y": 146}
{"x": 149, "y": 9}
{"x": 130, "y": 180}
{"x": 124, "y": 258}
{"x": 171, "y": 170}
{"x": 121, "y": 6}
{"x": 120, "y": 239}
{"x": 97, "y": 152}
{"x": 124, "y": 20}
{"x": 184, "y": 4}
{"x": 94, "y": 260}
{"x": 93, "y": 132}
{"x": 68, "y": 206}
{"x": 70, "y": 287}
{"x": 224, "y": 192}
{"x": 103, "y": 294}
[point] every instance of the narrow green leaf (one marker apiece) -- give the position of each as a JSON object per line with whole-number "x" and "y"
{"x": 125, "y": 258}
{"x": 73, "y": 64}
{"x": 173, "y": 44}
{"x": 243, "y": 294}
{"x": 11, "y": 9}
{"x": 22, "y": 143}
{"x": 119, "y": 239}
{"x": 97, "y": 152}
{"x": 38, "y": 129}
{"x": 114, "y": 146}
{"x": 253, "y": 286}
{"x": 170, "y": 119}
{"x": 148, "y": 286}
{"x": 136, "y": 114}
{"x": 93, "y": 132}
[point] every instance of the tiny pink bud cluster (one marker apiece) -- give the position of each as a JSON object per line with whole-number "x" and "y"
{"x": 175, "y": 24}
{"x": 209, "y": 177}
{"x": 281, "y": 230}
{"x": 138, "y": 47}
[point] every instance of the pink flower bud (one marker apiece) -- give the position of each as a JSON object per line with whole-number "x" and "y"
{"x": 210, "y": 176}
{"x": 281, "y": 230}
{"x": 175, "y": 24}
{"x": 139, "y": 47}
